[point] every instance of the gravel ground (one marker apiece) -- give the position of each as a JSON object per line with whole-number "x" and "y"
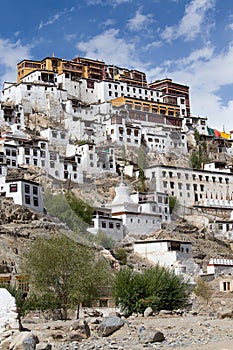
{"x": 186, "y": 332}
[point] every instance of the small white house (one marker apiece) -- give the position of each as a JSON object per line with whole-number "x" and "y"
{"x": 220, "y": 266}
{"x": 104, "y": 222}
{"x": 24, "y": 192}
{"x": 169, "y": 253}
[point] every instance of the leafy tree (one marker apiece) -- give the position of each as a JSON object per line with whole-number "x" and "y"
{"x": 173, "y": 202}
{"x": 199, "y": 156}
{"x": 157, "y": 287}
{"x": 64, "y": 273}
{"x": 82, "y": 209}
{"x": 121, "y": 255}
{"x": 75, "y": 213}
{"x": 104, "y": 240}
{"x": 203, "y": 290}
{"x": 141, "y": 166}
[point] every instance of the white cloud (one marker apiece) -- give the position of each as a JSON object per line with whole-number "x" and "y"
{"x": 108, "y": 22}
{"x": 206, "y": 73}
{"x": 192, "y": 23}
{"x": 153, "y": 45}
{"x": 109, "y": 47}
{"x": 55, "y": 17}
{"x": 107, "y": 2}
{"x": 70, "y": 37}
{"x": 139, "y": 21}
{"x": 12, "y": 53}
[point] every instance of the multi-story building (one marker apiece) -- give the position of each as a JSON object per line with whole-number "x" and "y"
{"x": 203, "y": 188}
{"x": 133, "y": 214}
{"x": 173, "y": 91}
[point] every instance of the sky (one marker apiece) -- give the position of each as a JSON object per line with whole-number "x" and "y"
{"x": 189, "y": 41}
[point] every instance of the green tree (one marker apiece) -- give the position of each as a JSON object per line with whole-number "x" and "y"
{"x": 199, "y": 156}
{"x": 64, "y": 272}
{"x": 173, "y": 202}
{"x": 82, "y": 209}
{"x": 121, "y": 255}
{"x": 157, "y": 287}
{"x": 103, "y": 239}
{"x": 203, "y": 290}
{"x": 74, "y": 212}
{"x": 141, "y": 166}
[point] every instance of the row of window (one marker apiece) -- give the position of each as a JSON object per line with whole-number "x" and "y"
{"x": 27, "y": 189}
{"x": 183, "y": 186}
{"x": 135, "y": 90}
{"x": 111, "y": 225}
{"x": 200, "y": 177}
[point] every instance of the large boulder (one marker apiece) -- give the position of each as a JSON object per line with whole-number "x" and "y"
{"x": 20, "y": 341}
{"x": 225, "y": 314}
{"x": 148, "y": 312}
{"x": 8, "y": 312}
{"x": 146, "y": 336}
{"x": 109, "y": 325}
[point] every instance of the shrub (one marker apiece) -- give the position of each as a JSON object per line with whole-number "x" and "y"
{"x": 203, "y": 290}
{"x": 157, "y": 287}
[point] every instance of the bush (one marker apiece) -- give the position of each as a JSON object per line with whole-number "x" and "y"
{"x": 157, "y": 287}
{"x": 72, "y": 211}
{"x": 103, "y": 239}
{"x": 203, "y": 290}
{"x": 121, "y": 256}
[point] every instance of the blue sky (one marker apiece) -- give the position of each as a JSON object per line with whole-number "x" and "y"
{"x": 190, "y": 41}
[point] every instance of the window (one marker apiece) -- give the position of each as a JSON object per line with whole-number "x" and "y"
{"x": 35, "y": 202}
{"x": 27, "y": 151}
{"x": 103, "y": 224}
{"x": 27, "y": 188}
{"x": 42, "y": 154}
{"x": 118, "y": 226}
{"x": 35, "y": 190}
{"x": 13, "y": 188}
{"x": 226, "y": 286}
{"x": 111, "y": 225}
{"x": 27, "y": 199}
